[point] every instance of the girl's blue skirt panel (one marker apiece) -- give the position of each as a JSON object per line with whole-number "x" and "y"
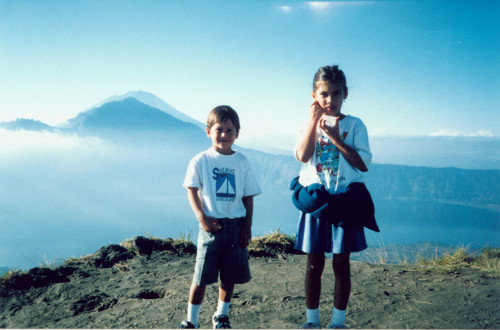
{"x": 316, "y": 236}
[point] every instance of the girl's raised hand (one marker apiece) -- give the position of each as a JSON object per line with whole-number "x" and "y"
{"x": 315, "y": 111}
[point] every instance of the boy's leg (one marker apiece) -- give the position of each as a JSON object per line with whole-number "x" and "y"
{"x": 226, "y": 291}
{"x": 220, "y": 319}
{"x": 196, "y": 295}
{"x": 225, "y": 294}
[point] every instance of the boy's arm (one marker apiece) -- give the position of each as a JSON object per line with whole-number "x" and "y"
{"x": 246, "y": 234}
{"x": 209, "y": 223}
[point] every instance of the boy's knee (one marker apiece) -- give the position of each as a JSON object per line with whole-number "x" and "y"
{"x": 225, "y": 285}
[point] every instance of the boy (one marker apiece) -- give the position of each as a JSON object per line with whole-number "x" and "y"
{"x": 220, "y": 188}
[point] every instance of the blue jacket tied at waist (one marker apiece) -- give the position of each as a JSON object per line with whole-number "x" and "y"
{"x": 354, "y": 208}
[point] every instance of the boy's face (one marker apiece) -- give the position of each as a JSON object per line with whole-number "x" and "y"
{"x": 329, "y": 97}
{"x": 223, "y": 136}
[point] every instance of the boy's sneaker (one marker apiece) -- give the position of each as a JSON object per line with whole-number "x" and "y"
{"x": 337, "y": 326}
{"x": 309, "y": 325}
{"x": 221, "y": 321}
{"x": 188, "y": 325}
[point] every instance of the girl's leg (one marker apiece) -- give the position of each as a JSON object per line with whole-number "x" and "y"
{"x": 315, "y": 266}
{"x": 342, "y": 271}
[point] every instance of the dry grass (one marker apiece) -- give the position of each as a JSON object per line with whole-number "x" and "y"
{"x": 488, "y": 260}
{"x": 143, "y": 245}
{"x": 278, "y": 244}
{"x": 272, "y": 245}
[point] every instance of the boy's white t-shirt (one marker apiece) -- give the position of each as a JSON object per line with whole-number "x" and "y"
{"x": 222, "y": 180}
{"x": 327, "y": 166}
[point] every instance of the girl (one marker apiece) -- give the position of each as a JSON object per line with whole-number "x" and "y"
{"x": 335, "y": 152}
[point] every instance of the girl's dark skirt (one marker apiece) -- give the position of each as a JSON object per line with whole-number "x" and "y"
{"x": 317, "y": 236}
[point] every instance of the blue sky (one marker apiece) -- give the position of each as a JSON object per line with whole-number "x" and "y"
{"x": 413, "y": 67}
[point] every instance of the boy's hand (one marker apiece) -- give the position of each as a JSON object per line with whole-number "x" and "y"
{"x": 245, "y": 237}
{"x": 210, "y": 224}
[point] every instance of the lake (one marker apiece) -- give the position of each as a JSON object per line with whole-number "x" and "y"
{"x": 30, "y": 238}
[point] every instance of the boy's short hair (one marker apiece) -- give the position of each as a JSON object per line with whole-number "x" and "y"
{"x": 222, "y": 113}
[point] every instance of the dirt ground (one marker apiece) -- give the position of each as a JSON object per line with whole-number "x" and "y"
{"x": 151, "y": 291}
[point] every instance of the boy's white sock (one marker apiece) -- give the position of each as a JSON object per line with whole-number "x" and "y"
{"x": 338, "y": 317}
{"x": 193, "y": 314}
{"x": 312, "y": 315}
{"x": 222, "y": 308}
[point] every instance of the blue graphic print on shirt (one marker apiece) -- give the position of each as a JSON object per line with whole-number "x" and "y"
{"x": 225, "y": 184}
{"x": 328, "y": 156}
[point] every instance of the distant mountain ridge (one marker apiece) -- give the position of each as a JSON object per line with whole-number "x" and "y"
{"x": 449, "y": 185}
{"x": 27, "y": 125}
{"x": 127, "y": 118}
{"x": 477, "y": 188}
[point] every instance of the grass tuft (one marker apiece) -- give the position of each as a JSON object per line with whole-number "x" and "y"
{"x": 147, "y": 245}
{"x": 488, "y": 260}
{"x": 272, "y": 245}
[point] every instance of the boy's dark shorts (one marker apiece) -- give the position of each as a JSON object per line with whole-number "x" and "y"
{"x": 222, "y": 252}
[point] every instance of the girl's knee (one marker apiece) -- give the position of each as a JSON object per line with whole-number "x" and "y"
{"x": 342, "y": 258}
{"x": 341, "y": 264}
{"x": 315, "y": 264}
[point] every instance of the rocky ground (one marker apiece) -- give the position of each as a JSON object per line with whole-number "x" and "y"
{"x": 148, "y": 288}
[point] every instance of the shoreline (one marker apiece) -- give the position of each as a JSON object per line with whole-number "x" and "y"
{"x": 144, "y": 283}
{"x": 377, "y": 252}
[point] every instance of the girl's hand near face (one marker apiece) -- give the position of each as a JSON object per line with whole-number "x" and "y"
{"x": 315, "y": 112}
{"x": 305, "y": 148}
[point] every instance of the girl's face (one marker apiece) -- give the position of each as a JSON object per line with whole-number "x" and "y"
{"x": 329, "y": 97}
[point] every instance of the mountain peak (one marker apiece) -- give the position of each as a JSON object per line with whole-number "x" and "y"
{"x": 126, "y": 113}
{"x": 131, "y": 120}
{"x": 153, "y": 101}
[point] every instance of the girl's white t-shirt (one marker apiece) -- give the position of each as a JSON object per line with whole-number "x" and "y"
{"x": 327, "y": 166}
{"x": 222, "y": 182}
